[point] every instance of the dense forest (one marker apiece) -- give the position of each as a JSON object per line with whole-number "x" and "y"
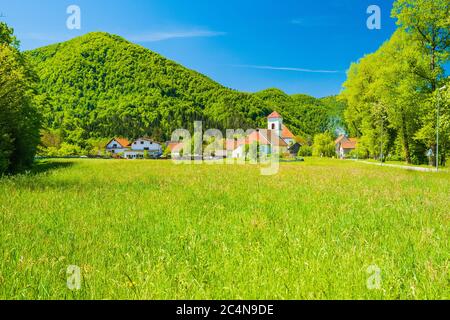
{"x": 100, "y": 85}
{"x": 394, "y": 94}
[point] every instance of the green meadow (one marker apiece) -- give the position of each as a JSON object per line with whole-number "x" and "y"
{"x": 156, "y": 230}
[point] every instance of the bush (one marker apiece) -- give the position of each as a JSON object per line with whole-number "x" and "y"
{"x": 167, "y": 153}
{"x": 357, "y": 154}
{"x": 69, "y": 150}
{"x": 305, "y": 151}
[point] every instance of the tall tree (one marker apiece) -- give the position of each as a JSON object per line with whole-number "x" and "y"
{"x": 19, "y": 120}
{"x": 390, "y": 92}
{"x": 428, "y": 22}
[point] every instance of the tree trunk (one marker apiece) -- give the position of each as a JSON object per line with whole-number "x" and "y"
{"x": 433, "y": 64}
{"x": 405, "y": 139}
{"x": 442, "y": 157}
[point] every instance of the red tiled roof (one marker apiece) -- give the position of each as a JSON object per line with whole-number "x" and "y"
{"x": 122, "y": 141}
{"x": 263, "y": 137}
{"x": 286, "y": 133}
{"x": 274, "y": 115}
{"x": 175, "y": 146}
{"x": 232, "y": 144}
{"x": 340, "y": 139}
{"x": 350, "y": 144}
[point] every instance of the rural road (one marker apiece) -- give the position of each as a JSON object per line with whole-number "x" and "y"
{"x": 422, "y": 169}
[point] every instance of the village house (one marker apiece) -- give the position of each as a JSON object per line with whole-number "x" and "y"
{"x": 117, "y": 146}
{"x": 345, "y": 145}
{"x": 137, "y": 149}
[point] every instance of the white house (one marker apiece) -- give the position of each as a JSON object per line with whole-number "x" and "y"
{"x": 135, "y": 150}
{"x": 117, "y": 145}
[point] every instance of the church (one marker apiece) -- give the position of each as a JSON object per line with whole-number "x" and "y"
{"x": 276, "y": 135}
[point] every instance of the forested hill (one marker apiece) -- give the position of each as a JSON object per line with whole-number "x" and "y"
{"x": 100, "y": 85}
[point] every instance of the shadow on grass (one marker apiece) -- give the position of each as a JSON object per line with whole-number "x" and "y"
{"x": 44, "y": 166}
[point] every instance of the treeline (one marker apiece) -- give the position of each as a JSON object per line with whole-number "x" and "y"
{"x": 19, "y": 118}
{"x": 100, "y": 85}
{"x": 394, "y": 94}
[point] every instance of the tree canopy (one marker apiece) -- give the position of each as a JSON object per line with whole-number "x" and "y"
{"x": 19, "y": 119}
{"x": 391, "y": 94}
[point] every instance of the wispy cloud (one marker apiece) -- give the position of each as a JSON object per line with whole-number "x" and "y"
{"x": 287, "y": 69}
{"x": 298, "y": 21}
{"x": 316, "y": 21}
{"x": 144, "y": 37}
{"x": 160, "y": 36}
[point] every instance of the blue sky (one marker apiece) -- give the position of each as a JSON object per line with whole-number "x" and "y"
{"x": 297, "y": 46}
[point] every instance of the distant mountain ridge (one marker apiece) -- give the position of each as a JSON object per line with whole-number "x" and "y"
{"x": 100, "y": 85}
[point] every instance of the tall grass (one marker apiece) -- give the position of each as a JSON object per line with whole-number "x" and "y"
{"x": 155, "y": 230}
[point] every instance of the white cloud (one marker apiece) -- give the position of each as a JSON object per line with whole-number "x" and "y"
{"x": 160, "y": 36}
{"x": 316, "y": 21}
{"x": 287, "y": 69}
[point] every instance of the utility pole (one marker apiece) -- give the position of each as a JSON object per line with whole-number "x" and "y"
{"x": 437, "y": 126}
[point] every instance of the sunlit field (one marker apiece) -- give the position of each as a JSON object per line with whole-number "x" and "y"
{"x": 156, "y": 230}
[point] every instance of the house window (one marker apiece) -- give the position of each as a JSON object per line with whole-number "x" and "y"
{"x": 273, "y": 126}
{"x": 114, "y": 146}
{"x": 142, "y": 142}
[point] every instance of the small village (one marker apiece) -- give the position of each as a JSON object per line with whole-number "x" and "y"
{"x": 285, "y": 141}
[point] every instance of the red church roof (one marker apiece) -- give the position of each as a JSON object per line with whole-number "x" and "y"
{"x": 263, "y": 137}
{"x": 274, "y": 115}
{"x": 286, "y": 133}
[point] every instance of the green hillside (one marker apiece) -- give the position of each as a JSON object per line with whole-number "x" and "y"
{"x": 100, "y": 85}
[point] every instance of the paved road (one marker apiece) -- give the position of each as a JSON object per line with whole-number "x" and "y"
{"x": 422, "y": 169}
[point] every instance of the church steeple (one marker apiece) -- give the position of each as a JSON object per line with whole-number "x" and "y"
{"x": 275, "y": 123}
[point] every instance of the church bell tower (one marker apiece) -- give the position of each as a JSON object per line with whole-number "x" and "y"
{"x": 275, "y": 123}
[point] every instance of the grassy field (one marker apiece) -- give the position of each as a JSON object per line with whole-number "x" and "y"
{"x": 155, "y": 230}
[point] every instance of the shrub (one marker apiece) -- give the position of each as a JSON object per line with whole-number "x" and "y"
{"x": 68, "y": 150}
{"x": 305, "y": 151}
